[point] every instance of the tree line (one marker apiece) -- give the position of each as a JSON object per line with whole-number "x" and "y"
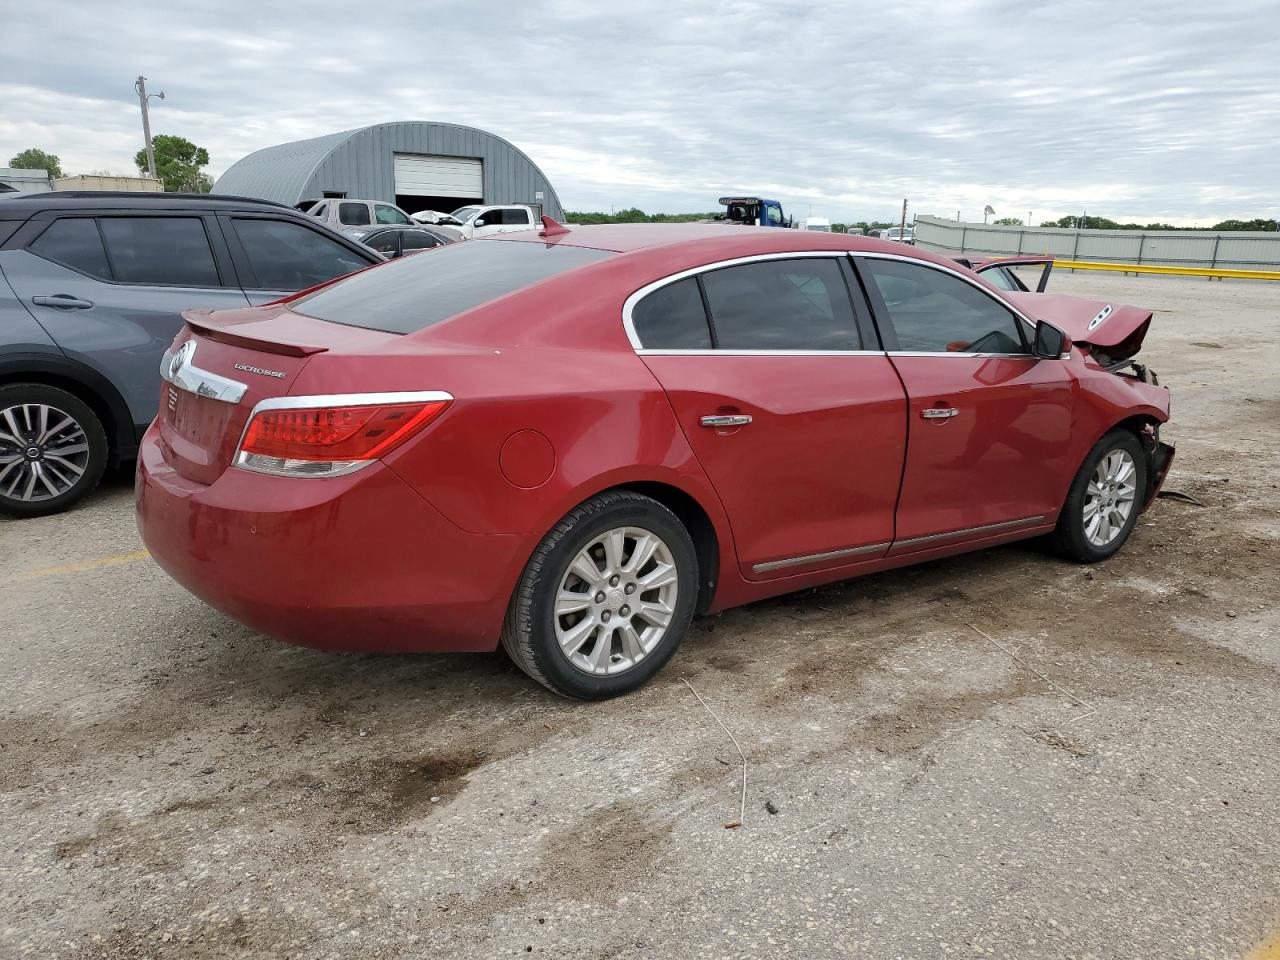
{"x": 1103, "y": 223}
{"x": 178, "y": 163}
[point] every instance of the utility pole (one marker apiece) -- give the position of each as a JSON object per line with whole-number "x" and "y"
{"x": 141, "y": 86}
{"x": 902, "y": 227}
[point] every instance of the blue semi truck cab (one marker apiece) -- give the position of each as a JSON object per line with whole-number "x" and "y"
{"x": 754, "y": 212}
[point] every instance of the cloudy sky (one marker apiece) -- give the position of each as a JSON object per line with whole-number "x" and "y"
{"x": 1135, "y": 110}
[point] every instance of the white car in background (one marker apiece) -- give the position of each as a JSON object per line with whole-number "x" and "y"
{"x": 341, "y": 213}
{"x": 820, "y": 224}
{"x": 481, "y": 221}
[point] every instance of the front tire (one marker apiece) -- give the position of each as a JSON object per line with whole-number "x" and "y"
{"x": 606, "y": 598}
{"x": 1104, "y": 501}
{"x": 53, "y": 449}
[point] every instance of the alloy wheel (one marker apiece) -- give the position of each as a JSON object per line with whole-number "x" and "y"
{"x": 616, "y": 601}
{"x": 1110, "y": 497}
{"x": 43, "y": 452}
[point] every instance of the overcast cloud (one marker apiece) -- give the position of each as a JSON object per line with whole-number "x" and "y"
{"x": 1134, "y": 110}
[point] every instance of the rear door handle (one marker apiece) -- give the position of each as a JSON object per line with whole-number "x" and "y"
{"x": 940, "y": 413}
{"x": 726, "y": 420}
{"x": 62, "y": 301}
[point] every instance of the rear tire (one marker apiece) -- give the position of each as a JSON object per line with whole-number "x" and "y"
{"x": 605, "y": 599}
{"x": 1104, "y": 501}
{"x": 53, "y": 449}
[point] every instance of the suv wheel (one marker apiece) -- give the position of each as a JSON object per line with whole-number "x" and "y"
{"x": 53, "y": 449}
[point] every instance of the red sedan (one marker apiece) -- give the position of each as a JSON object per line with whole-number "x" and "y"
{"x": 573, "y": 441}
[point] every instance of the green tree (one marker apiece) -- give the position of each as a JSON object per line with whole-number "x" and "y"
{"x": 178, "y": 163}
{"x": 1007, "y": 222}
{"x": 1256, "y": 224}
{"x": 36, "y": 159}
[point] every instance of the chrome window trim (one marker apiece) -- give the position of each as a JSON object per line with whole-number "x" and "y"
{"x": 243, "y": 460}
{"x": 178, "y": 370}
{"x": 973, "y": 282}
{"x": 959, "y": 353}
{"x": 1002, "y": 525}
{"x": 629, "y": 304}
{"x": 818, "y": 557}
{"x": 700, "y": 352}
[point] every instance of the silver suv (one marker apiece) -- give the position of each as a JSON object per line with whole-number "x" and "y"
{"x": 92, "y": 286}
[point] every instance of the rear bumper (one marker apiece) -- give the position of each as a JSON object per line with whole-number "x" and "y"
{"x": 349, "y": 563}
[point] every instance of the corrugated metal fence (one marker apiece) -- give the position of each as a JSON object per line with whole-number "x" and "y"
{"x": 1186, "y": 248}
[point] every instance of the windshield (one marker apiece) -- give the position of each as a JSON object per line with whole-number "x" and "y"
{"x": 463, "y": 214}
{"x": 413, "y": 293}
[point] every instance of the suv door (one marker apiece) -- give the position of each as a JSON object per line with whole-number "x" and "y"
{"x": 109, "y": 290}
{"x": 989, "y": 423}
{"x": 794, "y": 412}
{"x": 275, "y": 257}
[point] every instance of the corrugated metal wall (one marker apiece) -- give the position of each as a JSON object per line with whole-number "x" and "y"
{"x": 361, "y": 164}
{"x": 1187, "y": 248}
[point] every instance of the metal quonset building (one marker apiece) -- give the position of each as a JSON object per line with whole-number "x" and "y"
{"x": 419, "y": 166}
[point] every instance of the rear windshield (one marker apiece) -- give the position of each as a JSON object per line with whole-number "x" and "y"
{"x": 413, "y": 293}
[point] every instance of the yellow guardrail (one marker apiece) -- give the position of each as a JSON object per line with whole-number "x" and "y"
{"x": 1211, "y": 272}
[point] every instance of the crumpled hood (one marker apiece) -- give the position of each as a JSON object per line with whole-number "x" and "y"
{"x": 1116, "y": 328}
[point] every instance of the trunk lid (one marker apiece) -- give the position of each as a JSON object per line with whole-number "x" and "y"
{"x": 1112, "y": 331}
{"x": 220, "y": 366}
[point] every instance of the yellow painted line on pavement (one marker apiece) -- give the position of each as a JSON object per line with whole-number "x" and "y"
{"x": 80, "y": 567}
{"x": 1175, "y": 271}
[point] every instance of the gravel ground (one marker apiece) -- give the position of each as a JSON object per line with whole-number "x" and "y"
{"x": 172, "y": 784}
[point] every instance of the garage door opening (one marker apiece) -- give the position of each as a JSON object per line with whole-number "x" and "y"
{"x": 426, "y": 182}
{"x": 411, "y": 203}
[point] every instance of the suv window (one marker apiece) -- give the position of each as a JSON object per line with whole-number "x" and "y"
{"x": 672, "y": 318}
{"x": 75, "y": 242}
{"x": 415, "y": 292}
{"x": 385, "y": 213}
{"x": 161, "y": 250}
{"x": 289, "y": 256}
{"x": 935, "y": 312}
{"x": 353, "y": 214}
{"x": 789, "y": 304}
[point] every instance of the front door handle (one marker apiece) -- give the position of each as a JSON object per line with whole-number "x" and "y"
{"x": 940, "y": 413}
{"x": 62, "y": 301}
{"x": 726, "y": 420}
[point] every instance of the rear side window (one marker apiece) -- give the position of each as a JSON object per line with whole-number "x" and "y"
{"x": 936, "y": 312}
{"x": 160, "y": 250}
{"x": 413, "y": 293}
{"x": 76, "y": 243}
{"x": 353, "y": 214}
{"x": 384, "y": 242}
{"x": 513, "y": 216}
{"x": 289, "y": 256}
{"x": 672, "y": 318}
{"x": 788, "y": 304}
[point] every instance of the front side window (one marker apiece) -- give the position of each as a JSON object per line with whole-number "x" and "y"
{"x": 420, "y": 240}
{"x": 76, "y": 243}
{"x": 672, "y": 318}
{"x": 774, "y": 214}
{"x": 161, "y": 250}
{"x": 353, "y": 214}
{"x": 289, "y": 256}
{"x": 385, "y": 213}
{"x": 936, "y": 312}
{"x": 787, "y": 304}
{"x": 384, "y": 242}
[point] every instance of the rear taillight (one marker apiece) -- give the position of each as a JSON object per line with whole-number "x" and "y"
{"x": 331, "y": 436}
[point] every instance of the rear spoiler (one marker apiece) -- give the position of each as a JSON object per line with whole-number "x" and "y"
{"x": 240, "y": 333}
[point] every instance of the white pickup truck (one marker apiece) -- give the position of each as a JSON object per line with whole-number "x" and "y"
{"x": 498, "y": 218}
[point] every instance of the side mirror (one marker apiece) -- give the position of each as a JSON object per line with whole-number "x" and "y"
{"x": 1050, "y": 342}
{"x": 477, "y": 223}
